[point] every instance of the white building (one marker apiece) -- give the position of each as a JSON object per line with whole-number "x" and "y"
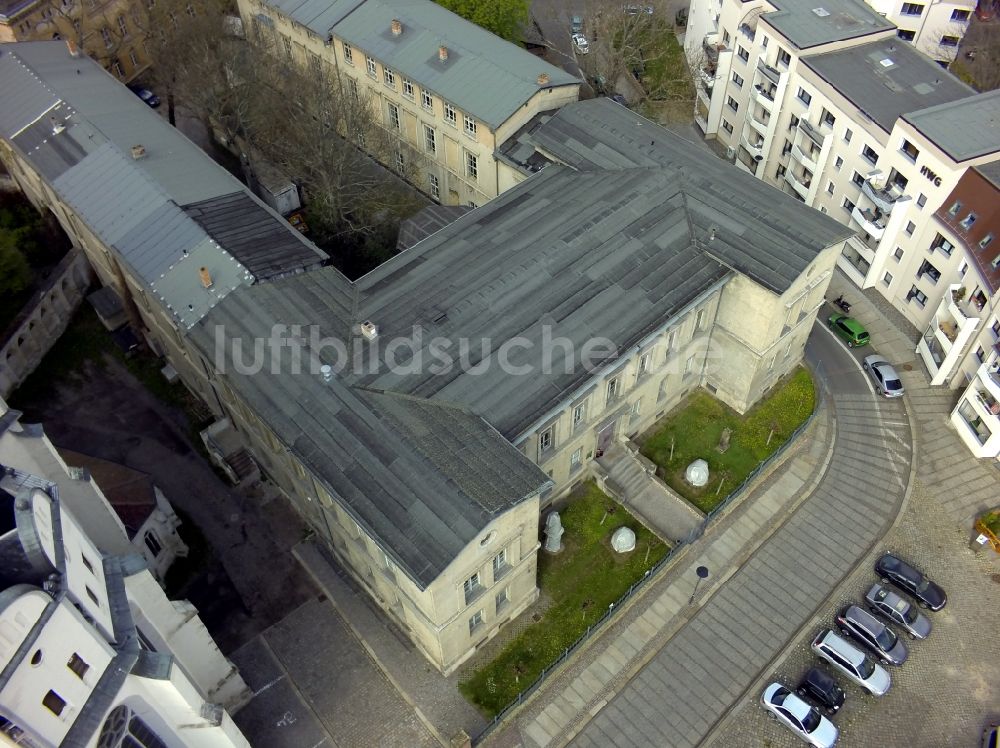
{"x": 91, "y": 650}
{"x": 935, "y": 28}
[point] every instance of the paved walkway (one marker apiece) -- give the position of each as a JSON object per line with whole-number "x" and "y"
{"x": 668, "y": 668}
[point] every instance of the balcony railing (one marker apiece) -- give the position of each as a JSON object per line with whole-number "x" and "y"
{"x": 763, "y": 97}
{"x": 799, "y": 155}
{"x": 812, "y": 133}
{"x": 772, "y": 74}
{"x": 874, "y": 225}
{"x": 883, "y": 198}
{"x": 757, "y": 151}
{"x": 801, "y": 188}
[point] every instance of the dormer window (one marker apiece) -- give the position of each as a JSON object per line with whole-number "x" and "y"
{"x": 953, "y": 210}
{"x": 968, "y": 221}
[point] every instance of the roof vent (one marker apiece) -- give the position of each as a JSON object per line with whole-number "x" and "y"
{"x": 368, "y": 330}
{"x": 443, "y": 53}
{"x": 74, "y": 50}
{"x": 397, "y": 27}
{"x": 886, "y": 62}
{"x": 206, "y": 277}
{"x": 326, "y": 371}
{"x": 821, "y": 12}
{"x": 543, "y": 79}
{"x": 138, "y": 151}
{"x": 56, "y": 127}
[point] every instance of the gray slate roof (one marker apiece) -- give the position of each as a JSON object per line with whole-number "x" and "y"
{"x": 803, "y": 26}
{"x": 886, "y": 79}
{"x": 431, "y": 219}
{"x": 963, "y": 129}
{"x": 474, "y": 56}
{"x": 991, "y": 171}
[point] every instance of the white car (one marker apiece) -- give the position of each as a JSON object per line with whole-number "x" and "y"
{"x": 852, "y": 662}
{"x": 581, "y": 44}
{"x": 885, "y": 377}
{"x": 803, "y": 719}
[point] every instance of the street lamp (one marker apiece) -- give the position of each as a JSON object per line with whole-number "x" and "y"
{"x": 702, "y": 572}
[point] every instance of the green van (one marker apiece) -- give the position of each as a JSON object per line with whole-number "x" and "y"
{"x": 849, "y": 329}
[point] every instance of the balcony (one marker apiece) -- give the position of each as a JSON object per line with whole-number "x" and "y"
{"x": 870, "y": 221}
{"x": 759, "y": 121}
{"x": 812, "y": 133}
{"x": 807, "y": 161}
{"x": 856, "y": 261}
{"x": 946, "y": 338}
{"x": 974, "y": 425}
{"x": 801, "y": 188}
{"x": 763, "y": 96}
{"x": 884, "y": 199}
{"x": 757, "y": 151}
{"x": 772, "y": 74}
{"x": 861, "y": 248}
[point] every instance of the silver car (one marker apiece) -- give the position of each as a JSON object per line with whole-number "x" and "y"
{"x": 803, "y": 719}
{"x": 894, "y": 607}
{"x": 852, "y": 662}
{"x": 886, "y": 379}
{"x": 867, "y": 630}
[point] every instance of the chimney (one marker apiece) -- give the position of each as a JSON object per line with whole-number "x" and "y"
{"x": 443, "y": 53}
{"x": 56, "y": 127}
{"x": 326, "y": 371}
{"x": 206, "y": 277}
{"x": 74, "y": 51}
{"x": 543, "y": 79}
{"x": 368, "y": 330}
{"x": 397, "y": 27}
{"x": 138, "y": 151}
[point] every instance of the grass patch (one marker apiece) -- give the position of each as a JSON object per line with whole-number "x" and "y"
{"x": 695, "y": 431}
{"x": 582, "y": 581}
{"x": 665, "y": 74}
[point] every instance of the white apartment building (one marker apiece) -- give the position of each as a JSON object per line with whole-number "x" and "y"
{"x": 935, "y": 28}
{"x": 92, "y": 653}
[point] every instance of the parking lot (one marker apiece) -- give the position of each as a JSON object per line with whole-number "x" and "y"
{"x": 946, "y": 692}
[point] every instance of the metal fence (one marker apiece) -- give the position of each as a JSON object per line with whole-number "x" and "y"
{"x": 650, "y": 573}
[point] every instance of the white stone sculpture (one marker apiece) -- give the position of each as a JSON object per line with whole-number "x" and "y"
{"x": 553, "y": 533}
{"x": 697, "y": 473}
{"x": 623, "y": 540}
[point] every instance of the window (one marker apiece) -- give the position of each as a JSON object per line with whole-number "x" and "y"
{"x": 737, "y": 79}
{"x": 887, "y": 279}
{"x": 727, "y": 126}
{"x": 909, "y": 150}
{"x": 733, "y": 104}
{"x": 78, "y": 666}
{"x": 670, "y": 342}
{"x": 943, "y": 244}
{"x": 117, "y": 68}
{"x": 612, "y": 389}
{"x": 408, "y": 88}
{"x": 960, "y": 16}
{"x": 471, "y": 166}
{"x": 838, "y": 163}
{"x": 545, "y": 440}
{"x": 912, "y": 9}
{"x": 699, "y": 320}
{"x": 689, "y": 365}
{"x": 106, "y": 37}
{"x": 783, "y": 57}
{"x": 968, "y": 221}
{"x": 54, "y": 702}
{"x": 921, "y": 200}
{"x": 786, "y": 148}
{"x": 848, "y": 134}
{"x": 575, "y": 460}
{"x": 352, "y": 86}
{"x": 93, "y": 596}
{"x": 995, "y": 327}
{"x": 980, "y": 354}
{"x": 502, "y": 599}
{"x": 287, "y": 43}
{"x": 435, "y": 186}
{"x": 393, "y": 116}
{"x": 910, "y": 228}
{"x": 426, "y": 100}
{"x": 962, "y": 268}
{"x": 372, "y": 68}
{"x": 763, "y": 42}
{"x": 906, "y": 36}
{"x": 827, "y": 118}
{"x": 389, "y": 77}
{"x": 743, "y": 53}
{"x": 133, "y": 59}
{"x": 898, "y": 254}
{"x": 804, "y": 96}
{"x": 917, "y": 295}
{"x": 858, "y": 179}
{"x": 430, "y": 139}
{"x": 780, "y": 171}
{"x": 475, "y": 622}
{"x": 470, "y": 126}
{"x": 472, "y": 587}
{"x": 579, "y": 414}
{"x": 793, "y": 122}
{"x": 348, "y": 54}
{"x": 869, "y": 154}
{"x": 450, "y": 116}
{"x": 830, "y": 188}
{"x": 848, "y": 205}
{"x": 400, "y": 161}
{"x": 643, "y": 367}
{"x": 122, "y": 27}
{"x": 152, "y": 542}
{"x": 500, "y": 565}
{"x": 986, "y": 241}
{"x": 950, "y": 41}
{"x": 86, "y": 562}
{"x": 637, "y": 408}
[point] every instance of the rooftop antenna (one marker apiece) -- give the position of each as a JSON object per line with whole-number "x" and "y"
{"x": 711, "y": 234}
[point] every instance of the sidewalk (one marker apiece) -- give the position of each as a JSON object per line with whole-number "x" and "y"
{"x": 964, "y": 485}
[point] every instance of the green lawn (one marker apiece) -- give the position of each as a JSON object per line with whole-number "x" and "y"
{"x": 665, "y": 75}
{"x": 695, "y": 431}
{"x": 582, "y": 581}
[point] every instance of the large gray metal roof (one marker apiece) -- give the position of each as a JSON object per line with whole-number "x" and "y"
{"x": 810, "y": 23}
{"x": 886, "y": 79}
{"x": 963, "y": 129}
{"x": 317, "y": 15}
{"x": 485, "y": 76}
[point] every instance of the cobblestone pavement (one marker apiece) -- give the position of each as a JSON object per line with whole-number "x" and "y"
{"x": 948, "y": 689}
{"x": 315, "y": 685}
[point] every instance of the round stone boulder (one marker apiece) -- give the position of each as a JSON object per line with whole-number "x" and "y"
{"x": 697, "y": 473}
{"x": 623, "y": 540}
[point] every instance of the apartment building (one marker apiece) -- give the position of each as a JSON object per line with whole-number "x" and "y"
{"x": 113, "y": 32}
{"x": 450, "y": 90}
{"x": 674, "y": 269}
{"x": 92, "y": 652}
{"x": 936, "y": 29}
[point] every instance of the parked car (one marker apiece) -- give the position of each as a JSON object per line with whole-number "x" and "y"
{"x": 581, "y": 44}
{"x": 634, "y": 10}
{"x": 849, "y": 329}
{"x": 896, "y": 571}
{"x": 865, "y": 628}
{"x": 852, "y": 662}
{"x": 576, "y": 24}
{"x": 619, "y": 99}
{"x": 886, "y": 379}
{"x": 802, "y": 718}
{"x": 146, "y": 95}
{"x": 886, "y": 603}
{"x": 821, "y": 688}
{"x": 990, "y": 736}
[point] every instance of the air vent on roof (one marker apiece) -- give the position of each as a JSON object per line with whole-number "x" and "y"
{"x": 56, "y": 127}
{"x": 74, "y": 51}
{"x": 821, "y": 12}
{"x": 326, "y": 371}
{"x": 206, "y": 277}
{"x": 397, "y": 27}
{"x": 443, "y": 53}
{"x": 138, "y": 151}
{"x": 368, "y": 330}
{"x": 886, "y": 62}
{"x": 543, "y": 78}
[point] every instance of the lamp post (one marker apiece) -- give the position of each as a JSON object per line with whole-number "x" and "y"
{"x": 702, "y": 572}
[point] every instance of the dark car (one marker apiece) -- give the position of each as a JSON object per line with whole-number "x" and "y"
{"x": 891, "y": 606}
{"x": 865, "y": 628}
{"x": 146, "y": 95}
{"x": 619, "y": 99}
{"x": 902, "y": 575}
{"x": 821, "y": 688}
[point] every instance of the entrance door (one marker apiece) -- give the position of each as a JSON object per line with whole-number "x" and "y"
{"x": 604, "y": 438}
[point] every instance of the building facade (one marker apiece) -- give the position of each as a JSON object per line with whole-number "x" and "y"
{"x": 449, "y": 90}
{"x": 936, "y": 29}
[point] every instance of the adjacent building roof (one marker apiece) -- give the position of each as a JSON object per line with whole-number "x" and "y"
{"x": 809, "y": 23}
{"x": 139, "y": 184}
{"x": 963, "y": 129}
{"x": 474, "y": 54}
{"x": 886, "y": 79}
{"x": 431, "y": 219}
{"x": 976, "y": 194}
{"x": 991, "y": 172}
{"x": 130, "y": 492}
